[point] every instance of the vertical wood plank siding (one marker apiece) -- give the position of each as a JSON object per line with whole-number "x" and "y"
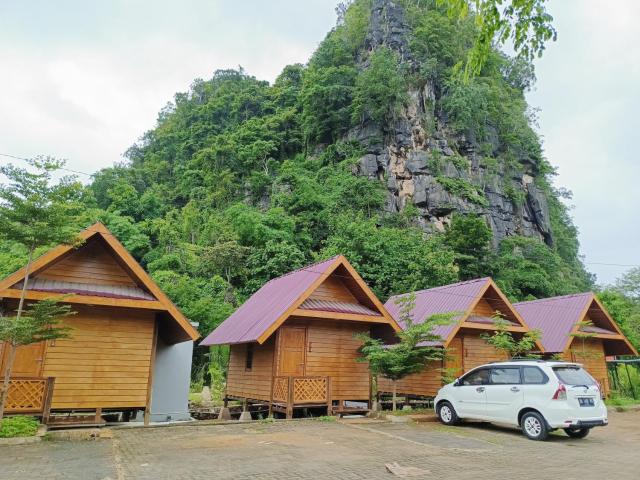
{"x": 105, "y": 363}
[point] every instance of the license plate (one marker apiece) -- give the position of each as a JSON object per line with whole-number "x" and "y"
{"x": 586, "y": 402}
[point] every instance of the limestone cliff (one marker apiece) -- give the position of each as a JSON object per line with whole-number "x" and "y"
{"x": 423, "y": 161}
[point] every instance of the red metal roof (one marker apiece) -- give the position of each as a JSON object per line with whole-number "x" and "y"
{"x": 457, "y": 297}
{"x": 554, "y": 317}
{"x": 263, "y": 308}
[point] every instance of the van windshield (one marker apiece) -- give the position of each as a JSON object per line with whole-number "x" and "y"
{"x": 570, "y": 375}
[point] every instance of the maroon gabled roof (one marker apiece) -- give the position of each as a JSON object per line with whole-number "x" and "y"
{"x": 266, "y": 306}
{"x": 554, "y": 317}
{"x": 454, "y": 298}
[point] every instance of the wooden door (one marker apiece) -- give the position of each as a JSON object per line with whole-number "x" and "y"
{"x": 28, "y": 361}
{"x": 454, "y": 360}
{"x": 292, "y": 351}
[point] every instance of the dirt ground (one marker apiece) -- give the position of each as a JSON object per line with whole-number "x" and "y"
{"x": 339, "y": 450}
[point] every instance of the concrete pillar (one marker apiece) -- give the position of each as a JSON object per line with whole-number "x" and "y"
{"x": 245, "y": 416}
{"x": 224, "y": 414}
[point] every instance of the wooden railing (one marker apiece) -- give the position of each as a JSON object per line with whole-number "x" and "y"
{"x": 293, "y": 391}
{"x": 30, "y": 395}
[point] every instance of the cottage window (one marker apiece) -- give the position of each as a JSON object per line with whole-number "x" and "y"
{"x": 249, "y": 360}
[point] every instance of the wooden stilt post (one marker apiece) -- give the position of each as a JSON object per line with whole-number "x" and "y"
{"x": 290, "y": 400}
{"x": 98, "y": 416}
{"x": 329, "y": 398}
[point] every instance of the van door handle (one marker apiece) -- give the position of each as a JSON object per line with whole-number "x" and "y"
{"x": 515, "y": 389}
{"x": 480, "y": 389}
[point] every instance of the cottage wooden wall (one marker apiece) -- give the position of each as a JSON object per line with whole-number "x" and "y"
{"x": 105, "y": 363}
{"x": 255, "y": 383}
{"x": 332, "y": 351}
{"x": 92, "y": 264}
{"x": 466, "y": 351}
{"x": 591, "y": 355}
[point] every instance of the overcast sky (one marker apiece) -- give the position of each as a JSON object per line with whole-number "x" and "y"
{"x": 83, "y": 80}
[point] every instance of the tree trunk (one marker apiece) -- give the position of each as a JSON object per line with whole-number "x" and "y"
{"x": 7, "y": 377}
{"x": 12, "y": 347}
{"x": 394, "y": 397}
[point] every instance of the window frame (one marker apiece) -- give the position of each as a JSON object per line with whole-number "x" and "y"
{"x": 507, "y": 367}
{"x": 545, "y": 377}
{"x": 248, "y": 358}
{"x": 461, "y": 380}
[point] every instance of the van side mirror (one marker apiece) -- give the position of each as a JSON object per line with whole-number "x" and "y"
{"x": 457, "y": 382}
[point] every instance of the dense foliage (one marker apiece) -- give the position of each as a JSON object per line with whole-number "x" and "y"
{"x": 241, "y": 180}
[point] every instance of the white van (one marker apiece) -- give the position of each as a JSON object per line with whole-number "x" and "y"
{"x": 539, "y": 396}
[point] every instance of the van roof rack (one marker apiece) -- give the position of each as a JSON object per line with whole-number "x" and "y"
{"x": 521, "y": 359}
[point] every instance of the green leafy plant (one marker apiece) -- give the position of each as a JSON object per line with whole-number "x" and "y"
{"x": 463, "y": 188}
{"x": 503, "y": 340}
{"x": 417, "y": 345}
{"x": 18, "y": 427}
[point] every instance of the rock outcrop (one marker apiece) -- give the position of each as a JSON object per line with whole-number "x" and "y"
{"x": 413, "y": 161}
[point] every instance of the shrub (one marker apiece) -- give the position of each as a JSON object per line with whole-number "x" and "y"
{"x": 18, "y": 427}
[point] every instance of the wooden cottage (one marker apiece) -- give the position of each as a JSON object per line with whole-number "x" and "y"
{"x": 122, "y": 323}
{"x": 475, "y": 304}
{"x": 578, "y": 328}
{"x": 292, "y": 342}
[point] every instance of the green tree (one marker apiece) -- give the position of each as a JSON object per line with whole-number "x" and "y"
{"x": 36, "y": 211}
{"x": 470, "y": 238}
{"x": 413, "y": 351}
{"x": 524, "y": 23}
{"x": 625, "y": 311}
{"x": 380, "y": 88}
{"x": 504, "y": 341}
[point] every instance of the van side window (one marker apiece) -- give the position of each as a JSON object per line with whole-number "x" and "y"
{"x": 477, "y": 377}
{"x": 533, "y": 375}
{"x": 505, "y": 375}
{"x": 249, "y": 360}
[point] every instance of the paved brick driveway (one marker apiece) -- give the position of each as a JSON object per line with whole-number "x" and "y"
{"x": 316, "y": 450}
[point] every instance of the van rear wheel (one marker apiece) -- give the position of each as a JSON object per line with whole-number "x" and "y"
{"x": 534, "y": 426}
{"x": 577, "y": 432}
{"x": 447, "y": 414}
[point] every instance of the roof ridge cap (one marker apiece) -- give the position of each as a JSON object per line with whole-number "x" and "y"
{"x": 553, "y": 299}
{"x": 302, "y": 268}
{"x": 450, "y": 285}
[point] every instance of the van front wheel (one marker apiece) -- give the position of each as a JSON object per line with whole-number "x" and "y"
{"x": 447, "y": 414}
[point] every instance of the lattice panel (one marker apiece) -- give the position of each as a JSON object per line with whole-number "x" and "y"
{"x": 309, "y": 389}
{"x": 26, "y": 395}
{"x": 280, "y": 389}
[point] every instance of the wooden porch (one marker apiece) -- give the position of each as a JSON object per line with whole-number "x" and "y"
{"x": 288, "y": 393}
{"x": 297, "y": 392}
{"x": 30, "y": 396}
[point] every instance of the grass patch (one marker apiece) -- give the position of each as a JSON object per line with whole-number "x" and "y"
{"x": 195, "y": 397}
{"x": 325, "y": 418}
{"x": 18, "y": 427}
{"x": 413, "y": 411}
